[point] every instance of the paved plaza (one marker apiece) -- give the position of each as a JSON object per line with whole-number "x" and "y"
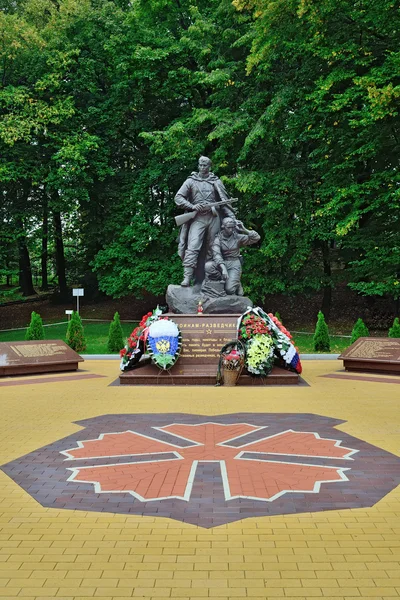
{"x": 111, "y": 491}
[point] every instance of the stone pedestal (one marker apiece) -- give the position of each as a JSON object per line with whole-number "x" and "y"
{"x": 373, "y": 355}
{"x": 184, "y": 300}
{"x": 37, "y": 356}
{"x": 202, "y": 340}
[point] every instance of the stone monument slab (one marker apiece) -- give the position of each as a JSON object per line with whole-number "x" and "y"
{"x": 202, "y": 340}
{"x": 37, "y": 356}
{"x": 377, "y": 355}
{"x": 184, "y": 300}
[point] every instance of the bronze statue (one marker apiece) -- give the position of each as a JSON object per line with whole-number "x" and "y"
{"x": 204, "y": 195}
{"x": 226, "y": 263}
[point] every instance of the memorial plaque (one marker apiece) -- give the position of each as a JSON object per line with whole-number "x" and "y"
{"x": 37, "y": 356}
{"x": 377, "y": 355}
{"x": 203, "y": 337}
{"x": 202, "y": 340}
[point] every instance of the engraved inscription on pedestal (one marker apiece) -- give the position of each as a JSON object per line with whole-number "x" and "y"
{"x": 36, "y": 350}
{"x": 203, "y": 337}
{"x": 373, "y": 354}
{"x": 42, "y": 356}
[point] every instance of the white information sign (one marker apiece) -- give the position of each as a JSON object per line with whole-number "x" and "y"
{"x": 77, "y": 292}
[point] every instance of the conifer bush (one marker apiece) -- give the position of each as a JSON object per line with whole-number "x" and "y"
{"x": 322, "y": 341}
{"x": 75, "y": 335}
{"x": 35, "y": 330}
{"x": 394, "y": 331}
{"x": 115, "y": 335}
{"x": 359, "y": 330}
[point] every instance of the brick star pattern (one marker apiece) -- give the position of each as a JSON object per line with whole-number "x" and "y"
{"x": 208, "y": 470}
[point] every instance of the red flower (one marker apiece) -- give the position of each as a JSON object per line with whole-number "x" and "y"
{"x": 122, "y": 352}
{"x": 233, "y": 355}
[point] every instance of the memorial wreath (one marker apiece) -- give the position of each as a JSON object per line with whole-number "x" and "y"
{"x": 157, "y": 335}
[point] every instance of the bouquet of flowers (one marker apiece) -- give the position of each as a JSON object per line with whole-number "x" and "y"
{"x": 231, "y": 362}
{"x": 260, "y": 354}
{"x": 254, "y": 332}
{"x": 251, "y": 325}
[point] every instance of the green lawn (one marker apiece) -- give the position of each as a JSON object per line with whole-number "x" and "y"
{"x": 97, "y": 335}
{"x": 304, "y": 343}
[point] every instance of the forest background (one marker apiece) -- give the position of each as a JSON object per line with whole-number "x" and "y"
{"x": 105, "y": 106}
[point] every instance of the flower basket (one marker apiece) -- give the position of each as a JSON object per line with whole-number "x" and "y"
{"x": 230, "y": 377}
{"x": 231, "y": 362}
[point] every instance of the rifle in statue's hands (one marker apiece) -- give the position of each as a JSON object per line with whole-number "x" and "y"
{"x": 181, "y": 219}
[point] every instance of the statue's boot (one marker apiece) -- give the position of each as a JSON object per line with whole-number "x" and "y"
{"x": 187, "y": 276}
{"x": 240, "y": 291}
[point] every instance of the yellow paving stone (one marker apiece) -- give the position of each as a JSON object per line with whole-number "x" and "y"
{"x": 344, "y": 554}
{"x": 154, "y": 593}
{"x": 231, "y": 593}
{"x": 276, "y": 593}
{"x": 389, "y": 592}
{"x": 113, "y": 592}
{"x": 76, "y": 592}
{"x": 211, "y": 583}
{"x": 176, "y": 566}
{"x": 44, "y": 592}
{"x": 248, "y": 583}
{"x": 342, "y": 592}
{"x": 192, "y": 575}
{"x": 145, "y": 582}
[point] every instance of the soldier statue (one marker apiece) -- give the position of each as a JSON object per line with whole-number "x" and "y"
{"x": 226, "y": 263}
{"x": 204, "y": 195}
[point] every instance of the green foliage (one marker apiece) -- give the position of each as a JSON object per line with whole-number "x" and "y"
{"x": 278, "y": 316}
{"x": 105, "y": 106}
{"x": 321, "y": 335}
{"x": 359, "y": 330}
{"x": 35, "y": 330}
{"x": 75, "y": 335}
{"x": 115, "y": 335}
{"x": 394, "y": 331}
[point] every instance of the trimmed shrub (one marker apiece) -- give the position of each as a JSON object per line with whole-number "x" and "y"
{"x": 75, "y": 335}
{"x": 35, "y": 330}
{"x": 359, "y": 330}
{"x": 115, "y": 335}
{"x": 322, "y": 341}
{"x": 394, "y": 331}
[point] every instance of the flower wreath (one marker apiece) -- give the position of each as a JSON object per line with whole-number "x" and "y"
{"x": 163, "y": 344}
{"x": 285, "y": 349}
{"x": 255, "y": 334}
{"x": 270, "y": 339}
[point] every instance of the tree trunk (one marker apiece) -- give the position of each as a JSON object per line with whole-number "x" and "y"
{"x": 60, "y": 256}
{"x": 9, "y": 275}
{"x": 327, "y": 295}
{"x": 44, "y": 254}
{"x": 25, "y": 271}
